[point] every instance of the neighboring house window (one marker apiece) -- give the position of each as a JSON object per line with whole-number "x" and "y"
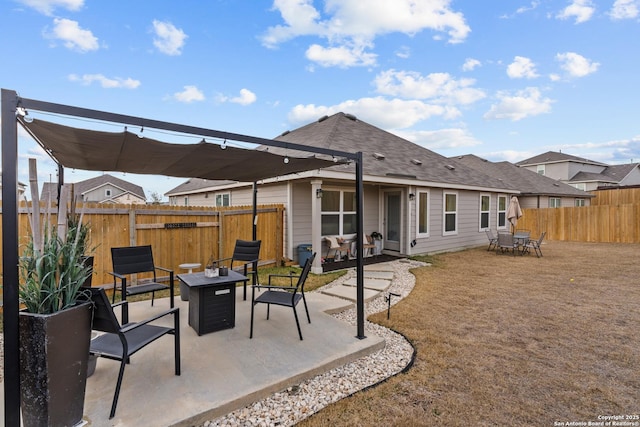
{"x": 423, "y": 214}
{"x": 580, "y": 186}
{"x": 338, "y": 212}
{"x": 223, "y": 199}
{"x": 580, "y": 202}
{"x": 450, "y": 213}
{"x": 485, "y": 209}
{"x": 107, "y": 193}
{"x": 502, "y": 211}
{"x": 540, "y": 169}
{"x": 186, "y": 201}
{"x": 554, "y": 202}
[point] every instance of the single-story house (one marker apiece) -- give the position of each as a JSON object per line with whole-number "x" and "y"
{"x": 536, "y": 190}
{"x": 101, "y": 189}
{"x": 420, "y": 201}
{"x": 584, "y": 174}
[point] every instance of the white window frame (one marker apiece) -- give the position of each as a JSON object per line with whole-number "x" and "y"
{"x": 487, "y": 212}
{"x": 186, "y": 200}
{"x": 445, "y": 213}
{"x": 506, "y": 206}
{"x": 420, "y": 194}
{"x": 553, "y": 200}
{"x": 107, "y": 192}
{"x": 580, "y": 202}
{"x": 341, "y": 213}
{"x": 221, "y": 196}
{"x": 540, "y": 169}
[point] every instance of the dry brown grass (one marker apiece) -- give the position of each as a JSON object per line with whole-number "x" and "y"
{"x": 512, "y": 341}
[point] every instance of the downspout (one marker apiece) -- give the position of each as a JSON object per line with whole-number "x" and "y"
{"x": 359, "y": 243}
{"x": 316, "y": 225}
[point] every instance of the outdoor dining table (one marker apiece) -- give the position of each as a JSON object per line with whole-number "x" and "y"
{"x": 522, "y": 238}
{"x": 212, "y": 300}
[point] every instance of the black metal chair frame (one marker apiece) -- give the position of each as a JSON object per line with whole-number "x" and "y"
{"x": 287, "y": 296}
{"x": 120, "y": 342}
{"x": 248, "y": 252}
{"x": 132, "y": 260}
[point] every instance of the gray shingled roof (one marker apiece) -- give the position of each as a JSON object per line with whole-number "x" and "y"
{"x": 556, "y": 157}
{"x": 91, "y": 183}
{"x": 592, "y": 176}
{"x": 194, "y": 184}
{"x": 528, "y": 182}
{"x": 401, "y": 158}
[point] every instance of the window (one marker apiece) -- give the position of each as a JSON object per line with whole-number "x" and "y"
{"x": 186, "y": 200}
{"x": 485, "y": 209}
{"x": 107, "y": 192}
{"x": 554, "y": 202}
{"x": 223, "y": 199}
{"x": 423, "y": 214}
{"x": 502, "y": 211}
{"x": 450, "y": 213}
{"x": 580, "y": 202}
{"x": 580, "y": 186}
{"x": 338, "y": 212}
{"x": 540, "y": 169}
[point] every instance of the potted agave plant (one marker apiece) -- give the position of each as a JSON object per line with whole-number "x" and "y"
{"x": 55, "y": 324}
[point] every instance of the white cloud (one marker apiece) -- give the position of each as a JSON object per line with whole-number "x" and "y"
{"x": 72, "y": 36}
{"x": 351, "y": 26}
{"x": 385, "y": 113}
{"x": 341, "y": 56}
{"x": 105, "y": 82}
{"x": 576, "y": 65}
{"x": 438, "y": 87}
{"x": 189, "y": 94}
{"x": 246, "y": 97}
{"x": 404, "y": 52}
{"x": 624, "y": 9}
{"x": 581, "y": 10}
{"x": 523, "y": 9}
{"x": 47, "y": 7}
{"x": 439, "y": 139}
{"x": 471, "y": 64}
{"x": 525, "y": 103}
{"x": 169, "y": 39}
{"x": 522, "y": 67}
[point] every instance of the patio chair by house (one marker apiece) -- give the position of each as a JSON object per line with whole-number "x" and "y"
{"x": 535, "y": 245}
{"x": 133, "y": 260}
{"x": 246, "y": 253}
{"x": 493, "y": 240}
{"x": 286, "y": 296}
{"x": 506, "y": 243}
{"x": 338, "y": 246}
{"x": 119, "y": 342}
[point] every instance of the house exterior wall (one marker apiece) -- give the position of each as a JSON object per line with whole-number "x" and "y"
{"x": 632, "y": 178}
{"x": 575, "y": 167}
{"x": 101, "y": 193}
{"x": 128, "y": 199}
{"x": 534, "y": 202}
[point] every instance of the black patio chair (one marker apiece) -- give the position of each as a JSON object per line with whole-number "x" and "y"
{"x": 535, "y": 245}
{"x": 132, "y": 260}
{"x": 287, "y": 296}
{"x": 120, "y": 342}
{"x": 246, "y": 253}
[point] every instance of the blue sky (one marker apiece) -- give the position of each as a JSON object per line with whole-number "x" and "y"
{"x": 504, "y": 80}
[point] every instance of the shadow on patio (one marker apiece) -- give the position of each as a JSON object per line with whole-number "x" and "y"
{"x": 225, "y": 370}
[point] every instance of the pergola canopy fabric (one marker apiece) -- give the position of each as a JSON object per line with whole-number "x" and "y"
{"x": 127, "y": 152}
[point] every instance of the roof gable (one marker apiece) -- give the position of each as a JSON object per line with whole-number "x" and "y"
{"x": 556, "y": 157}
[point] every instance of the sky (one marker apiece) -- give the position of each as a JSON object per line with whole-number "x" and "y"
{"x": 504, "y": 80}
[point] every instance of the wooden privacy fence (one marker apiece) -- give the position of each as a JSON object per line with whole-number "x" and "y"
{"x": 616, "y": 196}
{"x": 177, "y": 234}
{"x": 599, "y": 223}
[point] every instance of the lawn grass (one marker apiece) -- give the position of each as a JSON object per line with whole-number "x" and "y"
{"x": 512, "y": 341}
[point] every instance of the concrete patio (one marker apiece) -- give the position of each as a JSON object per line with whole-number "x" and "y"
{"x": 224, "y": 370}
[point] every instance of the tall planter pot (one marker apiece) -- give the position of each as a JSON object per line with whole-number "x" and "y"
{"x": 54, "y": 351}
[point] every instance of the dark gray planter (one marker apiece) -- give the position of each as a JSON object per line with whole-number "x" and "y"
{"x": 54, "y": 350}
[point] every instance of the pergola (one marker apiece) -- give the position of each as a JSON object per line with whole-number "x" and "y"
{"x": 126, "y": 152}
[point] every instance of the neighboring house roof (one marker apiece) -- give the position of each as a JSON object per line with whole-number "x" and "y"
{"x": 528, "y": 182}
{"x": 83, "y": 187}
{"x": 385, "y": 154}
{"x": 197, "y": 185}
{"x": 592, "y": 177}
{"x": 556, "y": 157}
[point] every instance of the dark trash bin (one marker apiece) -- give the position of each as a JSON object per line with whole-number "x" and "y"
{"x": 304, "y": 253}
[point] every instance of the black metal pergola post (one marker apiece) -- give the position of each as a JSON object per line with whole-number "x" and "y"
{"x": 10, "y": 102}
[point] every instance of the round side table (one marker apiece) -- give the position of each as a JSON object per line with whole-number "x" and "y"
{"x": 184, "y": 289}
